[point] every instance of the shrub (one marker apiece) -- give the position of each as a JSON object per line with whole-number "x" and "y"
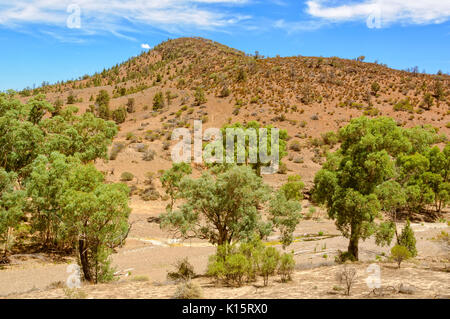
{"x": 407, "y": 239}
{"x": 293, "y": 188}
{"x": 286, "y": 268}
{"x": 116, "y": 149}
{"x": 119, "y": 115}
{"x": 295, "y": 146}
{"x": 330, "y": 138}
{"x": 126, "y": 177}
{"x": 282, "y": 169}
{"x": 236, "y": 267}
{"x": 428, "y": 101}
{"x": 188, "y": 290}
{"x": 199, "y": 97}
{"x": 131, "y": 105}
{"x": 149, "y": 155}
{"x": 150, "y": 194}
{"x": 343, "y": 257}
{"x": 184, "y": 271}
{"x": 270, "y": 259}
{"x": 233, "y": 264}
{"x": 347, "y": 276}
{"x": 404, "y": 106}
{"x": 225, "y": 92}
{"x": 158, "y": 101}
{"x": 399, "y": 254}
{"x": 71, "y": 99}
{"x": 375, "y": 88}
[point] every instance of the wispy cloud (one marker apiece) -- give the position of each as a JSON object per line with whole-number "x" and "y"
{"x": 121, "y": 16}
{"x": 298, "y": 26}
{"x": 145, "y": 46}
{"x": 388, "y": 11}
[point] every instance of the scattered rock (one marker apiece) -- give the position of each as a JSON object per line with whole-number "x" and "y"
{"x": 406, "y": 289}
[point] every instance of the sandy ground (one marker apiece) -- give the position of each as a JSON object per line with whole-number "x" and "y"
{"x": 150, "y": 253}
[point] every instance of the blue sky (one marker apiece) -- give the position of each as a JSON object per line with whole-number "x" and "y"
{"x": 45, "y": 41}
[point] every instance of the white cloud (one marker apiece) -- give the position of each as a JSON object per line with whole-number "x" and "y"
{"x": 119, "y": 16}
{"x": 145, "y": 46}
{"x": 297, "y": 26}
{"x": 388, "y": 11}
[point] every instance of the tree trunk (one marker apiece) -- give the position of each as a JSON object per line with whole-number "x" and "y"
{"x": 353, "y": 247}
{"x": 82, "y": 247}
{"x": 353, "y": 244}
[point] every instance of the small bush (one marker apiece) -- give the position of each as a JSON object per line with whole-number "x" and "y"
{"x": 330, "y": 138}
{"x": 347, "y": 276}
{"x": 184, "y": 271}
{"x": 295, "y": 146}
{"x": 188, "y": 290}
{"x": 282, "y": 169}
{"x": 404, "y": 106}
{"x": 269, "y": 263}
{"x": 74, "y": 293}
{"x": 399, "y": 254}
{"x": 150, "y": 194}
{"x": 408, "y": 240}
{"x": 131, "y": 105}
{"x": 119, "y": 115}
{"x": 286, "y": 268}
{"x": 199, "y": 97}
{"x": 158, "y": 101}
{"x": 293, "y": 188}
{"x": 116, "y": 149}
{"x": 343, "y": 257}
{"x": 149, "y": 155}
{"x": 126, "y": 177}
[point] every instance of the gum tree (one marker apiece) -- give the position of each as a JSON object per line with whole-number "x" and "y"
{"x": 225, "y": 208}
{"x": 11, "y": 207}
{"x": 347, "y": 182}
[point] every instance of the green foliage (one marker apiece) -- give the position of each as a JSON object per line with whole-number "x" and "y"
{"x": 69, "y": 205}
{"x": 428, "y": 101}
{"x": 404, "y": 105}
{"x": 171, "y": 181}
{"x": 375, "y": 88}
{"x": 399, "y": 254}
{"x": 225, "y": 208}
{"x": 408, "y": 240}
{"x": 97, "y": 215}
{"x": 269, "y": 263}
{"x": 245, "y": 149}
{"x": 348, "y": 180}
{"x": 286, "y": 267}
{"x": 199, "y": 97}
{"x": 220, "y": 209}
{"x": 158, "y": 101}
{"x": 330, "y": 138}
{"x": 85, "y": 137}
{"x": 293, "y": 188}
{"x": 102, "y": 102}
{"x": 11, "y": 208}
{"x": 381, "y": 166}
{"x": 119, "y": 115}
{"x": 184, "y": 271}
{"x": 235, "y": 265}
{"x": 44, "y": 188}
{"x": 126, "y": 177}
{"x": 285, "y": 214}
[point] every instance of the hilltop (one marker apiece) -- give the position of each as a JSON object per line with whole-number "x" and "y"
{"x": 307, "y": 96}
